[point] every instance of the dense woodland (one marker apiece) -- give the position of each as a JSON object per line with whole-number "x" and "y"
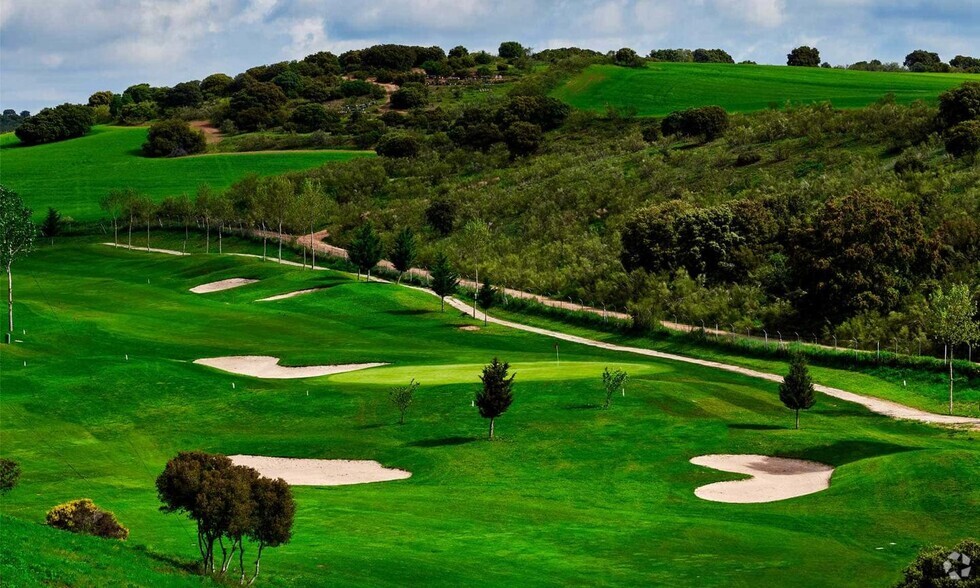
{"x": 836, "y": 222}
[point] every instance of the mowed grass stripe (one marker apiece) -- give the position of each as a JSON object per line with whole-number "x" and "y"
{"x": 661, "y": 88}
{"x": 72, "y": 175}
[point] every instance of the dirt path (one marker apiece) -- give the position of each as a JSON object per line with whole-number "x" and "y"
{"x": 884, "y": 407}
{"x": 211, "y": 134}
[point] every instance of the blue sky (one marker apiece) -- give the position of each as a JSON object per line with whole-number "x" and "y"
{"x": 53, "y": 51}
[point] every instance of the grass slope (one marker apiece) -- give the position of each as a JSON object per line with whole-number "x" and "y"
{"x": 568, "y": 495}
{"x": 661, "y": 88}
{"x": 72, "y": 175}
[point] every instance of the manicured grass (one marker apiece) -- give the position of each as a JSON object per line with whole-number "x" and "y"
{"x": 570, "y": 494}
{"x": 72, "y": 175}
{"x": 661, "y": 88}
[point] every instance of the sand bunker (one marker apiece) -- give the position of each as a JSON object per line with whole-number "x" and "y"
{"x": 265, "y": 366}
{"x": 320, "y": 472}
{"x": 222, "y": 285}
{"x": 288, "y": 295}
{"x": 469, "y": 328}
{"x": 773, "y": 478}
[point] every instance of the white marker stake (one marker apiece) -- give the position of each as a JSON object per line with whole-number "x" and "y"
{"x": 232, "y": 385}
{"x": 127, "y": 357}
{"x": 307, "y": 392}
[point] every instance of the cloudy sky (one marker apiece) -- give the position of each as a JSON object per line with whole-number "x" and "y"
{"x": 53, "y": 51}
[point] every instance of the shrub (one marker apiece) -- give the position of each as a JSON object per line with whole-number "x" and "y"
{"x": 523, "y": 138}
{"x": 964, "y": 139}
{"x": 960, "y": 104}
{"x": 173, "y": 138}
{"x": 411, "y": 95}
{"x": 712, "y": 56}
{"x": 626, "y": 57}
{"x": 84, "y": 517}
{"x": 9, "y": 475}
{"x": 708, "y": 122}
{"x": 314, "y": 117}
{"x": 398, "y": 145}
{"x": 804, "y": 57}
{"x": 137, "y": 113}
{"x": 651, "y": 133}
{"x": 56, "y": 124}
{"x": 747, "y": 158}
{"x": 929, "y": 568}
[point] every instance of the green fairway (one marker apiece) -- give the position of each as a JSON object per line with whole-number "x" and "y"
{"x": 662, "y": 88}
{"x": 101, "y": 392}
{"x": 72, "y": 175}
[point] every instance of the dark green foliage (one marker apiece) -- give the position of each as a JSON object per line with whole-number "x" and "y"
{"x": 511, "y": 50}
{"x": 441, "y": 215}
{"x": 314, "y": 117}
{"x": 353, "y": 88}
{"x": 445, "y": 280}
{"x": 796, "y": 391}
{"x": 412, "y": 95}
{"x": 543, "y": 111}
{"x": 399, "y": 144}
{"x": 173, "y": 138}
{"x": 140, "y": 93}
{"x": 860, "y": 253}
{"x": 51, "y": 227}
{"x": 56, "y": 124}
{"x": 476, "y": 128}
{"x": 523, "y": 138}
{"x": 966, "y": 63}
{"x": 289, "y": 82}
{"x": 708, "y": 122}
{"x": 402, "y": 397}
{"x": 747, "y": 158}
{"x": 613, "y": 382}
{"x": 964, "y": 139}
{"x": 389, "y": 56}
{"x": 929, "y": 570}
{"x": 921, "y": 60}
{"x": 365, "y": 250}
{"x": 216, "y": 86}
{"x": 183, "y": 94}
{"x": 626, "y": 57}
{"x": 804, "y": 56}
{"x": 486, "y": 296}
{"x": 651, "y": 133}
{"x": 960, "y": 104}
{"x": 84, "y": 517}
{"x": 712, "y": 56}
{"x": 326, "y": 63}
{"x": 672, "y": 55}
{"x": 137, "y": 113}
{"x": 257, "y": 106}
{"x": 497, "y": 394}
{"x": 100, "y": 98}
{"x": 458, "y": 51}
{"x": 9, "y": 475}
{"x": 404, "y": 251}
{"x": 10, "y": 119}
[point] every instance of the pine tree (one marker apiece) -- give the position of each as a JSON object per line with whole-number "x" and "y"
{"x": 486, "y": 296}
{"x": 365, "y": 250}
{"x": 444, "y": 279}
{"x": 497, "y": 394}
{"x": 796, "y": 391}
{"x": 52, "y": 224}
{"x": 403, "y": 252}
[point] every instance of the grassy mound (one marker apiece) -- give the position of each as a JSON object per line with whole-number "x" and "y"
{"x": 570, "y": 494}
{"x": 78, "y": 172}
{"x": 661, "y": 88}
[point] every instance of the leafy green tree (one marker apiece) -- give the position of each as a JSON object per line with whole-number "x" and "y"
{"x": 932, "y": 567}
{"x": 954, "y": 314}
{"x": 404, "y": 251}
{"x": 496, "y": 395}
{"x": 458, "y": 51}
{"x": 441, "y": 215}
{"x": 804, "y": 56}
{"x": 511, "y": 50}
{"x": 626, "y": 57}
{"x": 445, "y": 280}
{"x": 523, "y": 138}
{"x": 921, "y": 60}
{"x": 311, "y": 209}
{"x": 51, "y": 227}
{"x": 365, "y": 250}
{"x": 216, "y": 85}
{"x": 712, "y": 56}
{"x": 272, "y": 522}
{"x": 402, "y": 397}
{"x": 411, "y": 95}
{"x": 100, "y": 98}
{"x": 17, "y": 233}
{"x": 796, "y": 391}
{"x": 964, "y": 139}
{"x": 184, "y": 94}
{"x": 56, "y": 124}
{"x": 276, "y": 197}
{"x": 398, "y": 144}
{"x": 960, "y": 104}
{"x": 205, "y": 207}
{"x": 179, "y": 210}
{"x": 486, "y": 296}
{"x": 173, "y": 138}
{"x": 311, "y": 117}
{"x": 9, "y": 475}
{"x": 613, "y": 381}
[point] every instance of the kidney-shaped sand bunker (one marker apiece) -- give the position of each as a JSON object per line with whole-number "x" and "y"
{"x": 773, "y": 478}
{"x": 320, "y": 472}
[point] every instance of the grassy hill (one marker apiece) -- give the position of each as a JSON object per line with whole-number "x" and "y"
{"x": 72, "y": 175}
{"x": 661, "y": 88}
{"x": 568, "y": 495}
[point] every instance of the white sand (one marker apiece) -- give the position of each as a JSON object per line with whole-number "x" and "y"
{"x": 469, "y": 328}
{"x": 320, "y": 472}
{"x": 151, "y": 249}
{"x": 222, "y": 285}
{"x": 288, "y": 295}
{"x": 265, "y": 366}
{"x": 773, "y": 478}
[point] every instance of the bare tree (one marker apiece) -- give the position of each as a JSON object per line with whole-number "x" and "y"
{"x": 17, "y": 232}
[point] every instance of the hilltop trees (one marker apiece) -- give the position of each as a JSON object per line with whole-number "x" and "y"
{"x": 804, "y": 56}
{"x": 796, "y": 391}
{"x": 921, "y": 60}
{"x": 511, "y": 50}
{"x": 626, "y": 57}
{"x": 227, "y": 502}
{"x": 56, "y": 124}
{"x": 17, "y": 233}
{"x": 960, "y": 104}
{"x": 712, "y": 56}
{"x": 953, "y": 315}
{"x": 173, "y": 138}
{"x": 496, "y": 395}
{"x": 444, "y": 279}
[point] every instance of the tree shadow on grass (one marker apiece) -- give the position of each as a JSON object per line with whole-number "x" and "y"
{"x": 755, "y": 427}
{"x": 409, "y": 312}
{"x": 443, "y": 442}
{"x": 844, "y": 452}
{"x": 186, "y": 565}
{"x": 583, "y": 406}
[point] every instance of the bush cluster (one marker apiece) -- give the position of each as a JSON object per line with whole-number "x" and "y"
{"x": 84, "y": 517}
{"x": 56, "y": 124}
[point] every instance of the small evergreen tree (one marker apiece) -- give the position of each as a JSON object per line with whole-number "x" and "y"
{"x": 365, "y": 250}
{"x": 51, "y": 227}
{"x": 444, "y": 279}
{"x": 497, "y": 394}
{"x": 9, "y": 475}
{"x": 612, "y": 381}
{"x": 796, "y": 391}
{"x": 486, "y": 297}
{"x": 402, "y": 397}
{"x": 403, "y": 252}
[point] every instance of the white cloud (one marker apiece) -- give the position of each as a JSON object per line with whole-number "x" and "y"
{"x": 764, "y": 13}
